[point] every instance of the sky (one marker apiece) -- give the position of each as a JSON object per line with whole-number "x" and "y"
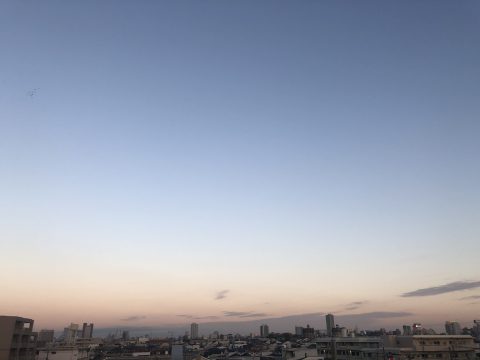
{"x": 211, "y": 160}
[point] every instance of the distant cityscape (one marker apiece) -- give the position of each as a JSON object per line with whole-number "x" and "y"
{"x": 20, "y": 341}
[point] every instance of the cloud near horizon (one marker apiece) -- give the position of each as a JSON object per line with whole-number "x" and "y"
{"x": 473, "y": 297}
{"x": 379, "y": 314}
{"x": 221, "y": 294}
{"x": 442, "y": 289}
{"x": 134, "y": 318}
{"x": 208, "y": 317}
{"x": 355, "y": 305}
{"x": 185, "y": 316}
{"x": 244, "y": 314}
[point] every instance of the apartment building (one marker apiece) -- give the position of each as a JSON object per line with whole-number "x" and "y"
{"x": 17, "y": 339}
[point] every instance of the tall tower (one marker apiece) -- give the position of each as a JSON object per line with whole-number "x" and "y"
{"x": 194, "y": 331}
{"x": 264, "y": 331}
{"x": 87, "y": 331}
{"x": 330, "y": 324}
{"x": 453, "y": 328}
{"x": 70, "y": 334}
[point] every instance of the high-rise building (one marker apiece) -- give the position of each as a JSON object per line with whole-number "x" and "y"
{"x": 407, "y": 330}
{"x": 70, "y": 334}
{"x": 453, "y": 328}
{"x": 264, "y": 331}
{"x": 194, "y": 331}
{"x": 330, "y": 324}
{"x": 87, "y": 331}
{"x": 17, "y": 339}
{"x": 298, "y": 330}
{"x": 309, "y": 332}
{"x": 476, "y": 329}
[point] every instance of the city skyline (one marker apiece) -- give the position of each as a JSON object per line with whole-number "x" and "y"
{"x": 170, "y": 163}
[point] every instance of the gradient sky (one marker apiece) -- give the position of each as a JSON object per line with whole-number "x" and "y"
{"x": 298, "y": 155}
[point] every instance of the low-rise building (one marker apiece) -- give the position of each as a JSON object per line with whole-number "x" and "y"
{"x": 63, "y": 352}
{"x": 446, "y": 347}
{"x": 349, "y": 348}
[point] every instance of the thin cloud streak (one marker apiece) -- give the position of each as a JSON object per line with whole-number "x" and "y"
{"x": 378, "y": 315}
{"x": 473, "y": 297}
{"x": 442, "y": 289}
{"x": 254, "y": 315}
{"x": 235, "y": 313}
{"x": 221, "y": 294}
{"x": 355, "y": 305}
{"x": 244, "y": 314}
{"x": 134, "y": 318}
{"x": 209, "y": 317}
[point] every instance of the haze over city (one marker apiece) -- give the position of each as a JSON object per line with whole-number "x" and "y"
{"x": 169, "y": 162}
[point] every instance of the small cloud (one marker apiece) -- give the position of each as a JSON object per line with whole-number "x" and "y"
{"x": 473, "y": 297}
{"x": 355, "y": 305}
{"x": 252, "y": 315}
{"x": 221, "y": 294}
{"x": 236, "y": 313}
{"x": 384, "y": 314}
{"x": 134, "y": 318}
{"x": 244, "y": 314}
{"x": 210, "y": 317}
{"x": 185, "y": 316}
{"x": 442, "y": 289}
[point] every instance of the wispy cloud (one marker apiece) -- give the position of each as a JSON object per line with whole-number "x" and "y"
{"x": 442, "y": 289}
{"x": 236, "y": 313}
{"x": 221, "y": 294}
{"x": 185, "y": 316}
{"x": 355, "y": 305}
{"x": 134, "y": 318}
{"x": 188, "y": 316}
{"x": 473, "y": 297}
{"x": 209, "y": 317}
{"x": 251, "y": 315}
{"x": 381, "y": 314}
{"x": 244, "y": 314}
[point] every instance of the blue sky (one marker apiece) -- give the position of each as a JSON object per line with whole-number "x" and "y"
{"x": 242, "y": 143}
